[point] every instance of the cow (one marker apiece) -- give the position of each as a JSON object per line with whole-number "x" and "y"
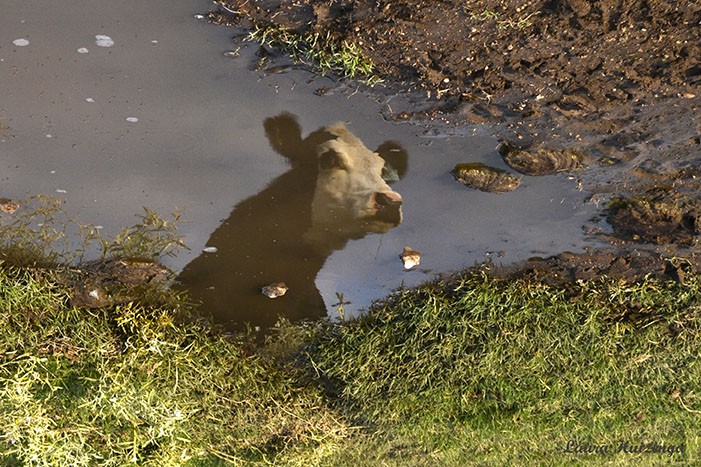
{"x": 334, "y": 191}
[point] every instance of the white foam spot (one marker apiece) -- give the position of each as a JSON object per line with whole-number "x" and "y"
{"x": 132, "y": 119}
{"x": 20, "y": 42}
{"x": 89, "y": 99}
{"x": 61, "y": 190}
{"x": 49, "y": 136}
{"x": 210, "y": 249}
{"x": 154, "y": 42}
{"x": 103, "y": 41}
{"x": 83, "y": 50}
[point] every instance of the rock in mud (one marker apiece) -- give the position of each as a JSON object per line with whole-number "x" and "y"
{"x": 410, "y": 258}
{"x": 482, "y": 177}
{"x": 274, "y": 290}
{"x": 628, "y": 265}
{"x": 540, "y": 161}
{"x": 656, "y": 217}
{"x": 8, "y": 206}
{"x": 108, "y": 282}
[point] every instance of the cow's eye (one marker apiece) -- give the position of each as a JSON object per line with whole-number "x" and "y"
{"x": 330, "y": 160}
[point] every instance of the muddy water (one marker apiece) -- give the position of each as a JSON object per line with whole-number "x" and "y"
{"x": 154, "y": 114}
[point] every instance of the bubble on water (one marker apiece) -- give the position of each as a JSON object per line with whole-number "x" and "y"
{"x": 49, "y": 136}
{"x": 132, "y": 119}
{"x": 210, "y": 249}
{"x": 154, "y": 42}
{"x": 83, "y": 50}
{"x": 89, "y": 99}
{"x": 61, "y": 190}
{"x": 103, "y": 41}
{"x": 20, "y": 42}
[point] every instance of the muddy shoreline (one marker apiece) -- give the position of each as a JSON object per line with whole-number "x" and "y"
{"x": 618, "y": 84}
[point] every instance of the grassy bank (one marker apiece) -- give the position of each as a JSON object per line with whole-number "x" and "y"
{"x": 476, "y": 370}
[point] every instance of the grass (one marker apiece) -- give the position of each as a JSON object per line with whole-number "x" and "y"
{"x": 470, "y": 371}
{"x": 321, "y": 50}
{"x": 129, "y": 386}
{"x": 42, "y": 233}
{"x": 497, "y": 372}
{"x": 519, "y": 21}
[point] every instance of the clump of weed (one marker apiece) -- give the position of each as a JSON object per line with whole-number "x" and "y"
{"x": 39, "y": 233}
{"x": 506, "y": 20}
{"x": 43, "y": 234}
{"x": 322, "y": 50}
{"x": 153, "y": 238}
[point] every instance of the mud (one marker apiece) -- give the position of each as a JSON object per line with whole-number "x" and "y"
{"x": 108, "y": 282}
{"x": 541, "y": 161}
{"x": 659, "y": 216}
{"x": 614, "y": 81}
{"x": 626, "y": 265}
{"x": 481, "y": 177}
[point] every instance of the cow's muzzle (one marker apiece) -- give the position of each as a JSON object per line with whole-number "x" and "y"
{"x": 388, "y": 206}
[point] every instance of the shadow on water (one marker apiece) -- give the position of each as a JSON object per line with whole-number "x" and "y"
{"x": 336, "y": 190}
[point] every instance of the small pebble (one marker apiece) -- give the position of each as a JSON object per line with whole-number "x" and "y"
{"x": 8, "y": 206}
{"x": 274, "y": 290}
{"x": 410, "y": 258}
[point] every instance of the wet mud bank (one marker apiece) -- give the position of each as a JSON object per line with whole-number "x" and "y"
{"x": 608, "y": 91}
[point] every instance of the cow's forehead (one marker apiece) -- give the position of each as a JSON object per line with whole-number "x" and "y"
{"x": 346, "y": 144}
{"x": 342, "y": 134}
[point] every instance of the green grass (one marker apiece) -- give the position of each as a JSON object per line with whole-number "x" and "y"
{"x": 520, "y": 20}
{"x": 471, "y": 371}
{"x": 497, "y": 372}
{"x": 42, "y": 233}
{"x": 321, "y": 50}
{"x": 131, "y": 386}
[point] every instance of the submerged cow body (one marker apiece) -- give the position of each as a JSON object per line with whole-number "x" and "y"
{"x": 333, "y": 192}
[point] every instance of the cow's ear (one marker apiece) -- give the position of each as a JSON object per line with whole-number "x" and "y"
{"x": 284, "y": 135}
{"x": 396, "y": 161}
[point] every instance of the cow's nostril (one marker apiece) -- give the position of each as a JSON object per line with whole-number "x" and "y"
{"x": 388, "y": 198}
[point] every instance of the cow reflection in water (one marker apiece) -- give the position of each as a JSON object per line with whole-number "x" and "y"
{"x": 335, "y": 191}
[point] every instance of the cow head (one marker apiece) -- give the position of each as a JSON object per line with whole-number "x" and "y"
{"x": 352, "y": 196}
